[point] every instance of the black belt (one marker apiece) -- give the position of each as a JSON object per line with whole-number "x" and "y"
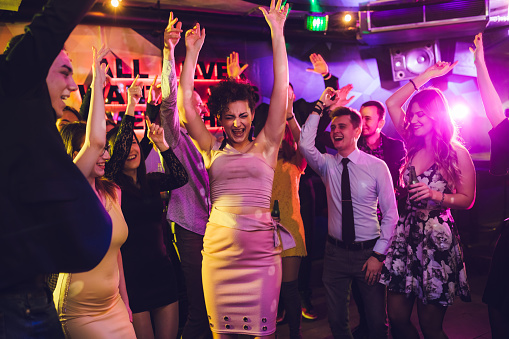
{"x": 356, "y": 246}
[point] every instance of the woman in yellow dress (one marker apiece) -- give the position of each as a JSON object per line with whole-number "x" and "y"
{"x": 93, "y": 304}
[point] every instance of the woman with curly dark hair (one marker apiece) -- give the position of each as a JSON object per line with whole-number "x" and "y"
{"x": 241, "y": 263}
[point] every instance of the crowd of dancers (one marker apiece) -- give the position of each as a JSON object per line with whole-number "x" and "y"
{"x": 82, "y": 235}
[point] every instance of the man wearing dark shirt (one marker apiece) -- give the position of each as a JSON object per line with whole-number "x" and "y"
{"x": 51, "y": 220}
{"x": 376, "y": 143}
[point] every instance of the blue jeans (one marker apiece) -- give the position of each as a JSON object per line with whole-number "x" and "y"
{"x": 27, "y": 311}
{"x": 340, "y": 267}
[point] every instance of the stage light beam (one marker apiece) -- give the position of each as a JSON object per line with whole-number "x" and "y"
{"x": 115, "y": 3}
{"x": 460, "y": 111}
{"x": 347, "y": 18}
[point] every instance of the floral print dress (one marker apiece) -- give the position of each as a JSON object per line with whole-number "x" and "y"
{"x": 425, "y": 258}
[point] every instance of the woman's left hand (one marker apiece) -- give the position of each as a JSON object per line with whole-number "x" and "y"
{"x": 440, "y": 68}
{"x": 421, "y": 191}
{"x": 156, "y": 135}
{"x": 276, "y": 16}
{"x": 99, "y": 70}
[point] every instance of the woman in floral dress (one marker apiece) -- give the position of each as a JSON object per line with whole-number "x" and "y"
{"x": 425, "y": 261}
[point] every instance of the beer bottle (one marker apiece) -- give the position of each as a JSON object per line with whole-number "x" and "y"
{"x": 412, "y": 176}
{"x": 275, "y": 211}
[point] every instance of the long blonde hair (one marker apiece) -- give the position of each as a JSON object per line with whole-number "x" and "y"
{"x": 444, "y": 135}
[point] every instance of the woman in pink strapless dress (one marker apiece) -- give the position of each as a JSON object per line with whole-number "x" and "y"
{"x": 241, "y": 262}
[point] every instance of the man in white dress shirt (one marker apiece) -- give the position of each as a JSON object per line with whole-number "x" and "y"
{"x": 357, "y": 252}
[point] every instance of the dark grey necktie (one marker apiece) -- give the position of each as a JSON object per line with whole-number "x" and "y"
{"x": 346, "y": 201}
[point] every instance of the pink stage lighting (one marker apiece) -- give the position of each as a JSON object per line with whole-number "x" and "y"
{"x": 460, "y": 111}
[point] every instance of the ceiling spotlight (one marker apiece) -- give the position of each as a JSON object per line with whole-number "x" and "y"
{"x": 347, "y": 18}
{"x": 115, "y": 3}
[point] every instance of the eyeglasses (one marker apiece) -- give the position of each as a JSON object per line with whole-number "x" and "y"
{"x": 106, "y": 148}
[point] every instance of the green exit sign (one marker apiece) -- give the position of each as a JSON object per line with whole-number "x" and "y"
{"x": 317, "y": 23}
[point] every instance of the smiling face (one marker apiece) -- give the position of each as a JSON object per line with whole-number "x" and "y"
{"x": 60, "y": 82}
{"x": 134, "y": 158}
{"x": 101, "y": 163}
{"x": 371, "y": 122}
{"x": 344, "y": 135}
{"x": 237, "y": 123}
{"x": 420, "y": 123}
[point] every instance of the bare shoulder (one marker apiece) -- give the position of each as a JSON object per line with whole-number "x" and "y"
{"x": 461, "y": 151}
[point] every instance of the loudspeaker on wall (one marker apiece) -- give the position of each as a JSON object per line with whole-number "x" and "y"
{"x": 410, "y": 60}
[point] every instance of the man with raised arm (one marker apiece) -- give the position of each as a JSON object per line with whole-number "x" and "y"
{"x": 189, "y": 206}
{"x": 51, "y": 220}
{"x": 356, "y": 243}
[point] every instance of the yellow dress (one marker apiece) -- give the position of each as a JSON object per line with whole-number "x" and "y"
{"x": 89, "y": 303}
{"x": 286, "y": 190}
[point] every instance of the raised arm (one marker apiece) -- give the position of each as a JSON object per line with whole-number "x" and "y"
{"x": 95, "y": 137}
{"x": 273, "y": 130}
{"x": 233, "y": 66}
{"x": 294, "y": 128}
{"x": 397, "y": 100}
{"x": 191, "y": 119}
{"x": 307, "y": 146}
{"x": 176, "y": 174}
{"x": 124, "y": 137}
{"x": 490, "y": 98}
{"x": 169, "y": 115}
{"x": 42, "y": 41}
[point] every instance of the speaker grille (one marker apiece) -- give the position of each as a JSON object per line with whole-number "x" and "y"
{"x": 395, "y": 17}
{"x": 455, "y": 9}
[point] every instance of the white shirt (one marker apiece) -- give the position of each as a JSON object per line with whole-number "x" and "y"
{"x": 370, "y": 183}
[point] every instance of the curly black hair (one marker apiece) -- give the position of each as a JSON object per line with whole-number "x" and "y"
{"x": 228, "y": 91}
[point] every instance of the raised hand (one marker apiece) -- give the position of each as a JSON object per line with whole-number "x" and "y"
{"x": 233, "y": 66}
{"x": 172, "y": 33}
{"x": 329, "y": 97}
{"x": 439, "y": 69}
{"x": 156, "y": 135}
{"x": 133, "y": 93}
{"x": 479, "y": 49}
{"x": 319, "y": 65}
{"x": 276, "y": 16}
{"x": 195, "y": 38}
{"x": 99, "y": 70}
{"x": 341, "y": 96}
{"x": 154, "y": 93}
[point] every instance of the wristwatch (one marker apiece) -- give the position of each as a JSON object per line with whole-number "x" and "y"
{"x": 378, "y": 256}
